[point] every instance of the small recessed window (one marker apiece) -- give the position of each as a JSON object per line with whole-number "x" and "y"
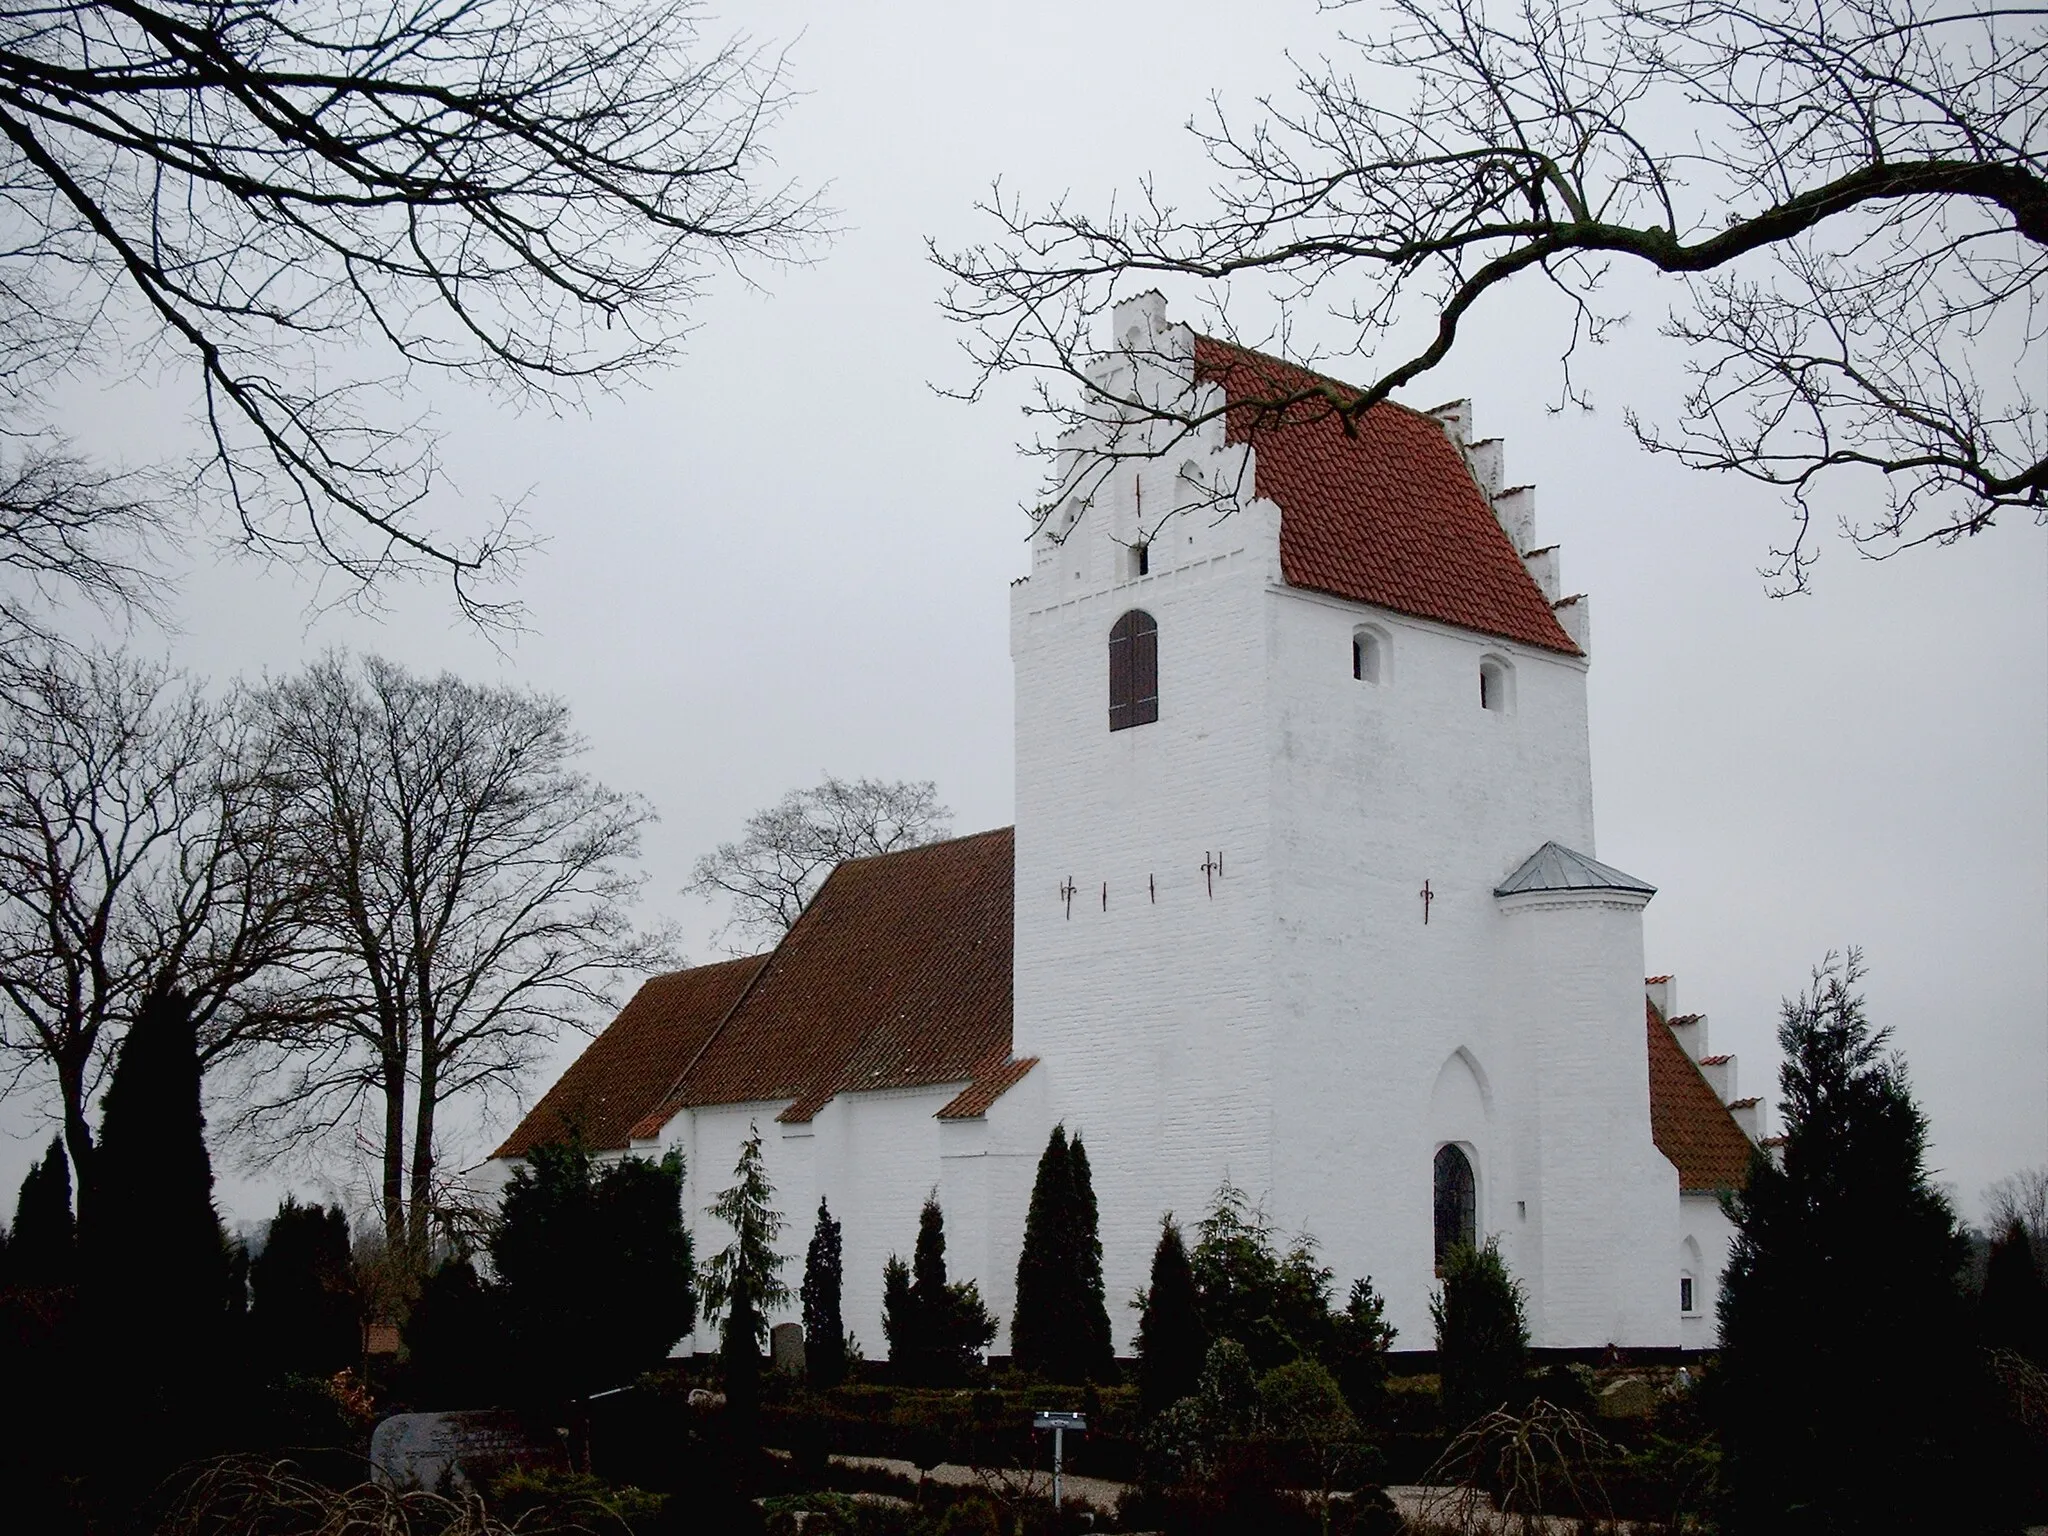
{"x": 1368, "y": 656}
{"x": 1133, "y": 671}
{"x": 1685, "y": 1295}
{"x": 1496, "y": 686}
{"x": 1141, "y": 559}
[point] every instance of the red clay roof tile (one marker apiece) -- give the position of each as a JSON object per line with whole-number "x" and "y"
{"x": 1690, "y": 1125}
{"x": 897, "y": 975}
{"x": 624, "y": 1072}
{"x": 975, "y": 1100}
{"x": 1388, "y": 515}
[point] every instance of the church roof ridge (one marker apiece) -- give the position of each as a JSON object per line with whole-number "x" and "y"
{"x": 1554, "y": 867}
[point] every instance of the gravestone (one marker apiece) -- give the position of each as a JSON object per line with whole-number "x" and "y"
{"x": 459, "y": 1452}
{"x": 1629, "y": 1398}
{"x": 786, "y": 1348}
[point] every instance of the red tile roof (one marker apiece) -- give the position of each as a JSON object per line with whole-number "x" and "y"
{"x": 896, "y": 976}
{"x": 973, "y": 1101}
{"x": 1387, "y": 515}
{"x": 1690, "y": 1125}
{"x": 626, "y": 1070}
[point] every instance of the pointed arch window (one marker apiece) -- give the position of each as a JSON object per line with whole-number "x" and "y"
{"x": 1133, "y": 671}
{"x": 1457, "y": 1203}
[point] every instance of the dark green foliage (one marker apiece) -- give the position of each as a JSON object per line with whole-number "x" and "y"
{"x": 1039, "y": 1324}
{"x": 1171, "y": 1339}
{"x": 157, "y": 1269}
{"x": 1482, "y": 1337}
{"x": 1360, "y": 1338}
{"x": 1061, "y": 1326}
{"x": 899, "y": 1323}
{"x": 595, "y": 1268}
{"x": 456, "y": 1337}
{"x": 42, "y": 1248}
{"x": 1843, "y": 1395}
{"x": 1277, "y": 1307}
{"x": 1097, "y": 1354}
{"x": 2014, "y": 1309}
{"x": 744, "y": 1280}
{"x": 824, "y": 1325}
{"x": 937, "y": 1331}
{"x": 304, "y": 1310}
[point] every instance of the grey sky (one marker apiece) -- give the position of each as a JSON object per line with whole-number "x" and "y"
{"x": 788, "y": 555}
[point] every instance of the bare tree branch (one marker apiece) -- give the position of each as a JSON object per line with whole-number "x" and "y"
{"x": 303, "y": 206}
{"x": 1853, "y": 195}
{"x": 786, "y": 851}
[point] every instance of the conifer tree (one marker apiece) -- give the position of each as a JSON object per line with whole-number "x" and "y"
{"x": 594, "y": 1264}
{"x": 42, "y": 1247}
{"x": 1482, "y": 1334}
{"x": 744, "y": 1280}
{"x": 1360, "y": 1340}
{"x": 152, "y": 1245}
{"x": 900, "y": 1321}
{"x": 455, "y": 1337}
{"x": 824, "y": 1323}
{"x": 1172, "y": 1343}
{"x": 305, "y": 1309}
{"x": 1843, "y": 1391}
{"x": 2014, "y": 1308}
{"x": 1095, "y": 1355}
{"x": 1044, "y": 1300}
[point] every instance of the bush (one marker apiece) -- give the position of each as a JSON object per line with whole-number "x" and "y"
{"x": 1482, "y": 1336}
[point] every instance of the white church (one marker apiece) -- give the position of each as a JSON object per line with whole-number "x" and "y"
{"x": 1302, "y": 894}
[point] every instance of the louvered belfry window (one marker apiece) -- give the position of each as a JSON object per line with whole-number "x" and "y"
{"x": 1133, "y": 671}
{"x": 1456, "y": 1203}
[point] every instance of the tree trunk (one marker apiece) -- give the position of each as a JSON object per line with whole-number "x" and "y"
{"x": 423, "y": 1146}
{"x": 78, "y": 1143}
{"x": 394, "y": 1149}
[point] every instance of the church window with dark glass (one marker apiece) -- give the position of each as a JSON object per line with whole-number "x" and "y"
{"x": 1457, "y": 1204}
{"x": 1133, "y": 671}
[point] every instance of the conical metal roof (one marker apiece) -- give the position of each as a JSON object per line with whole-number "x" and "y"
{"x": 1554, "y": 867}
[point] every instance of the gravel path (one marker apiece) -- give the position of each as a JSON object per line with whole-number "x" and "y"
{"x": 1098, "y": 1491}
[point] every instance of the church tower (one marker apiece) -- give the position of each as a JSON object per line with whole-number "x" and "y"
{"x": 1305, "y": 889}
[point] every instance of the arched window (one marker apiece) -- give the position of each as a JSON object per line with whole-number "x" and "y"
{"x": 1368, "y": 655}
{"x": 1457, "y": 1203}
{"x": 1133, "y": 671}
{"x": 1496, "y": 686}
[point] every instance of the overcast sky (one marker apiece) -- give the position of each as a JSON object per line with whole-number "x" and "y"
{"x": 789, "y": 555}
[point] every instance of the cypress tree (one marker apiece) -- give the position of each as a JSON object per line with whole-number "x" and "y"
{"x": 1046, "y": 1304}
{"x": 42, "y": 1249}
{"x": 305, "y": 1310}
{"x": 156, "y": 1264}
{"x": 824, "y": 1325}
{"x": 1843, "y": 1391}
{"x": 928, "y": 1296}
{"x": 1172, "y": 1342}
{"x": 1360, "y": 1340}
{"x": 1482, "y": 1335}
{"x": 455, "y": 1336}
{"x": 1094, "y": 1355}
{"x": 900, "y": 1321}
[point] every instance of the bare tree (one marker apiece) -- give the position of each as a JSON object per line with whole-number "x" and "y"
{"x": 786, "y": 851}
{"x": 2021, "y": 1197}
{"x": 1851, "y": 194}
{"x": 301, "y": 206}
{"x": 470, "y": 895}
{"x": 137, "y": 853}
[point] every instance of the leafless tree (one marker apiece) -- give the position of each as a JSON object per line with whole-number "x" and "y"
{"x": 470, "y": 897}
{"x": 786, "y": 851}
{"x": 1852, "y": 196}
{"x": 138, "y": 842}
{"x": 2021, "y": 1197}
{"x": 304, "y": 206}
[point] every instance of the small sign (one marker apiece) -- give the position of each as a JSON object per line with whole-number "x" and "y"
{"x": 1059, "y": 1421}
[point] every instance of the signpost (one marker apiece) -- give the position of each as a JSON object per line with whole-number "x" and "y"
{"x": 1059, "y": 1424}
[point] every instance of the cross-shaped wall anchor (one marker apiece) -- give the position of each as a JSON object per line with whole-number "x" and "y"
{"x": 1067, "y": 896}
{"x": 1427, "y": 896}
{"x": 1212, "y": 870}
